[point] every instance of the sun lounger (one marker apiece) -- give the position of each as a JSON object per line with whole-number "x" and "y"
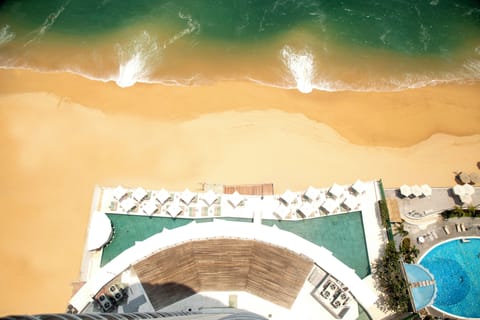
{"x": 457, "y": 227}
{"x": 463, "y": 227}
{"x": 445, "y": 228}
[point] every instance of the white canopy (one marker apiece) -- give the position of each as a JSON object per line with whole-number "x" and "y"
{"x": 406, "y": 190}
{"x": 150, "y": 208}
{"x": 312, "y": 193}
{"x": 119, "y": 192}
{"x": 174, "y": 210}
{"x": 282, "y": 211}
{"x": 350, "y": 203}
{"x": 139, "y": 194}
{"x": 336, "y": 190}
{"x": 306, "y": 209}
{"x": 128, "y": 204}
{"x": 358, "y": 187}
{"x": 235, "y": 199}
{"x": 459, "y": 190}
{"x": 288, "y": 196}
{"x": 466, "y": 198}
{"x": 469, "y": 190}
{"x": 162, "y": 196}
{"x": 330, "y": 205}
{"x": 100, "y": 231}
{"x": 416, "y": 190}
{"x": 209, "y": 197}
{"x": 426, "y": 190}
{"x": 187, "y": 196}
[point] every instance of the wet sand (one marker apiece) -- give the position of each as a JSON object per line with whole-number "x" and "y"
{"x": 62, "y": 134}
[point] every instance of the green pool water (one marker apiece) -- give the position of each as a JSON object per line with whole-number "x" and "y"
{"x": 342, "y": 234}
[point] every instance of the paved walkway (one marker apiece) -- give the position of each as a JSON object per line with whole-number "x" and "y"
{"x": 435, "y": 233}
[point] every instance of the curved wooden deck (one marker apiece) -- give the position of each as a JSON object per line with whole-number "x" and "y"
{"x": 272, "y": 273}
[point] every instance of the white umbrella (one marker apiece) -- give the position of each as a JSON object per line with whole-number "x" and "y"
{"x": 416, "y": 190}
{"x": 469, "y": 190}
{"x": 350, "y": 203}
{"x": 406, "y": 190}
{"x": 466, "y": 198}
{"x": 358, "y": 187}
{"x": 100, "y": 231}
{"x": 306, "y": 209}
{"x": 119, "y": 192}
{"x": 162, "y": 196}
{"x": 150, "y": 208}
{"x": 174, "y": 210}
{"x": 139, "y": 194}
{"x": 187, "y": 196}
{"x": 464, "y": 177}
{"x": 474, "y": 178}
{"x": 336, "y": 190}
{"x": 282, "y": 211}
{"x": 426, "y": 190}
{"x": 209, "y": 197}
{"x": 128, "y": 204}
{"x": 288, "y": 196}
{"x": 235, "y": 199}
{"x": 330, "y": 205}
{"x": 459, "y": 190}
{"x": 312, "y": 193}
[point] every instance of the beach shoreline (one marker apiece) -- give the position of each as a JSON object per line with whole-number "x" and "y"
{"x": 63, "y": 134}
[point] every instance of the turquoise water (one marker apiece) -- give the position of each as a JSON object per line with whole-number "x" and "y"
{"x": 423, "y": 295}
{"x": 455, "y": 267}
{"x": 303, "y": 44}
{"x": 341, "y": 234}
{"x": 416, "y": 273}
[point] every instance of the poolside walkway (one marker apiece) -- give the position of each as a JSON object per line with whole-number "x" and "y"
{"x": 435, "y": 233}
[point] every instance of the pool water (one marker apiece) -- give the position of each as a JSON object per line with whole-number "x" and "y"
{"x": 455, "y": 266}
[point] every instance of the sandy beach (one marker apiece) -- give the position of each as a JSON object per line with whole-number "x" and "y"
{"x": 63, "y": 134}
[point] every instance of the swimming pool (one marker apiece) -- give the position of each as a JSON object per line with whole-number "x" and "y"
{"x": 454, "y": 265}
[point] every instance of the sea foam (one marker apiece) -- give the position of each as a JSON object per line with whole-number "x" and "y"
{"x": 301, "y": 67}
{"x": 6, "y": 35}
{"x": 137, "y": 60}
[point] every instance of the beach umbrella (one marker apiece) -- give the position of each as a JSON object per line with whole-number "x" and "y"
{"x": 162, "y": 196}
{"x": 128, "y": 204}
{"x": 336, "y": 190}
{"x": 426, "y": 190}
{"x": 466, "y": 199}
{"x": 474, "y": 177}
{"x": 139, "y": 194}
{"x": 187, "y": 196}
{"x": 288, "y": 197}
{"x": 306, "y": 209}
{"x": 416, "y": 190}
{"x": 330, "y": 205}
{"x": 119, "y": 192}
{"x": 235, "y": 199}
{"x": 174, "y": 210}
{"x": 312, "y": 193}
{"x": 350, "y": 203}
{"x": 469, "y": 190}
{"x": 209, "y": 197}
{"x": 281, "y": 211}
{"x": 405, "y": 190}
{"x": 150, "y": 208}
{"x": 459, "y": 190}
{"x": 100, "y": 231}
{"x": 358, "y": 187}
{"x": 463, "y": 177}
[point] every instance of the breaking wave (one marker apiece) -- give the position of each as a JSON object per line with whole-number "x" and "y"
{"x": 137, "y": 60}
{"x": 301, "y": 67}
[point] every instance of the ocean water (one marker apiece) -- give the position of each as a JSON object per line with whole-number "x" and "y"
{"x": 369, "y": 45}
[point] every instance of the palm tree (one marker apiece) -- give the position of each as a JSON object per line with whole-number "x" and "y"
{"x": 400, "y": 229}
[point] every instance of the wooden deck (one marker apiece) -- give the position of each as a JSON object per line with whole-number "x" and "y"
{"x": 250, "y": 189}
{"x": 269, "y": 272}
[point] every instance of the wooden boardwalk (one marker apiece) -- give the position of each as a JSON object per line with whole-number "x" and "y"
{"x": 264, "y": 189}
{"x": 269, "y": 272}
